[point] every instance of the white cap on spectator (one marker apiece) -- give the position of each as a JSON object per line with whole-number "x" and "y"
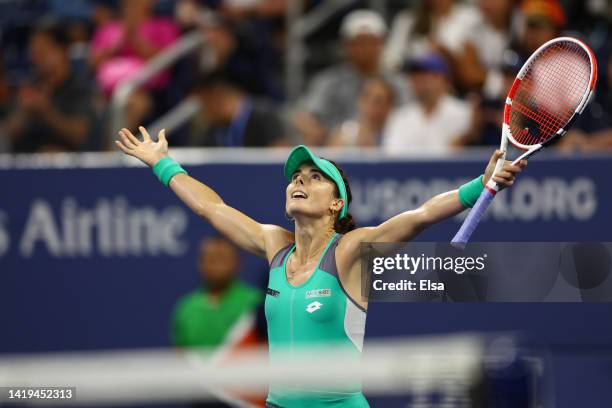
{"x": 363, "y": 22}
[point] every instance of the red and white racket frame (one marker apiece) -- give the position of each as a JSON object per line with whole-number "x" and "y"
{"x": 507, "y": 134}
{"x": 486, "y": 197}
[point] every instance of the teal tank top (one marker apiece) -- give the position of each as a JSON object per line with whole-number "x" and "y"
{"x": 317, "y": 312}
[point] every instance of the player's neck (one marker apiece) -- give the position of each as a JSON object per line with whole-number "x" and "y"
{"x": 311, "y": 238}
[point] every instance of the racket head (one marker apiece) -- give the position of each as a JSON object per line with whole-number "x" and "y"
{"x": 550, "y": 91}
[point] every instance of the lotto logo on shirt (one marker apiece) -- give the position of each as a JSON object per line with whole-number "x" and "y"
{"x": 313, "y": 307}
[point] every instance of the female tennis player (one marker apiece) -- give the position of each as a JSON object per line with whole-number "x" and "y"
{"x": 314, "y": 290}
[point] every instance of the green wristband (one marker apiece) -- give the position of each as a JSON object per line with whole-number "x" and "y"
{"x": 167, "y": 168}
{"x": 470, "y": 191}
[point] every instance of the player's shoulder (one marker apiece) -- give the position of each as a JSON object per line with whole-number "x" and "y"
{"x": 276, "y": 238}
{"x": 348, "y": 250}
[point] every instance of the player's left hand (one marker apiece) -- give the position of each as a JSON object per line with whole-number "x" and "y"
{"x": 507, "y": 175}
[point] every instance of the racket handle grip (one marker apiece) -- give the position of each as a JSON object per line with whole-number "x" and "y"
{"x": 471, "y": 222}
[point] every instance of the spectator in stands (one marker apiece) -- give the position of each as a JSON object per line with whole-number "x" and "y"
{"x": 222, "y": 313}
{"x": 544, "y": 20}
{"x": 593, "y": 129}
{"x": 121, "y": 48}
{"x": 231, "y": 49}
{"x": 331, "y": 96}
{"x": 442, "y": 26}
{"x": 103, "y": 12}
{"x": 376, "y": 100}
{"x": 209, "y": 315}
{"x": 437, "y": 120}
{"x": 239, "y": 9}
{"x": 241, "y": 38}
{"x": 235, "y": 10}
{"x": 54, "y": 110}
{"x": 477, "y": 65}
{"x": 187, "y": 14}
{"x": 234, "y": 117}
{"x": 485, "y": 125}
{"x": 588, "y": 17}
{"x": 5, "y": 102}
{"x": 5, "y": 94}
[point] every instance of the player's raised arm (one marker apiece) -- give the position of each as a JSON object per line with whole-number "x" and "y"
{"x": 405, "y": 226}
{"x": 246, "y": 233}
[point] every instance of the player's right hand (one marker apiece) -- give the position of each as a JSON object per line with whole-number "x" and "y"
{"x": 148, "y": 151}
{"x": 507, "y": 174}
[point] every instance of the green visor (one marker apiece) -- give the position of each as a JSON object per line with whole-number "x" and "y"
{"x": 300, "y": 155}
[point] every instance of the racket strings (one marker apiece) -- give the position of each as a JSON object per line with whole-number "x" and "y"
{"x": 551, "y": 112}
{"x": 549, "y": 93}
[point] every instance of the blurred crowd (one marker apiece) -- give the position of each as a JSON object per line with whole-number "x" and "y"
{"x": 427, "y": 76}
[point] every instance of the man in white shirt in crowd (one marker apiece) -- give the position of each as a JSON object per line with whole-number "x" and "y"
{"x": 436, "y": 122}
{"x": 332, "y": 94}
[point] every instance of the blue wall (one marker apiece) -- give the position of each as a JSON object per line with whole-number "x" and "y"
{"x": 96, "y": 258}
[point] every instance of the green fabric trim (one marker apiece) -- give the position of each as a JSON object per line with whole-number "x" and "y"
{"x": 470, "y": 191}
{"x": 167, "y": 168}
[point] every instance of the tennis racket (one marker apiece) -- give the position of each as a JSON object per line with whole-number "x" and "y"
{"x": 549, "y": 93}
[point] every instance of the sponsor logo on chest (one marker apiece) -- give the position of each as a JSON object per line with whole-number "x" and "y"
{"x": 316, "y": 293}
{"x": 272, "y": 292}
{"x": 313, "y": 307}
